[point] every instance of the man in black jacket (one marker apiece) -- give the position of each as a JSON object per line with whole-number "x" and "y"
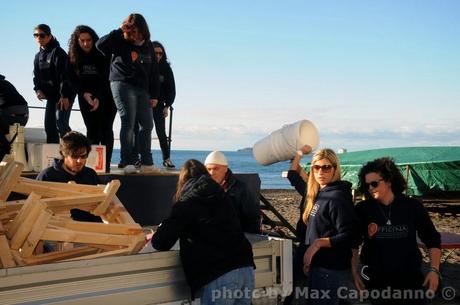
{"x": 13, "y": 106}
{"x": 51, "y": 83}
{"x": 246, "y": 206}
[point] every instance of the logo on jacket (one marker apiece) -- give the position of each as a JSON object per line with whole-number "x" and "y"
{"x": 134, "y": 56}
{"x": 372, "y": 228}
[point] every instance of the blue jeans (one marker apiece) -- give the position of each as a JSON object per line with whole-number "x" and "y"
{"x": 133, "y": 103}
{"x": 232, "y": 288}
{"x": 56, "y": 120}
{"x": 323, "y": 285}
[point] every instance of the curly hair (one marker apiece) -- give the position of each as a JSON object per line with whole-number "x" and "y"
{"x": 312, "y": 185}
{"x": 75, "y": 50}
{"x": 389, "y": 172}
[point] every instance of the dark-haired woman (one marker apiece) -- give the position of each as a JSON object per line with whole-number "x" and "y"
{"x": 91, "y": 81}
{"x": 215, "y": 254}
{"x": 135, "y": 86}
{"x": 165, "y": 101}
{"x": 389, "y": 225}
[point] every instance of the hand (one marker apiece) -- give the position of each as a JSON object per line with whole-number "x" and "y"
{"x": 88, "y": 97}
{"x": 165, "y": 112}
{"x": 306, "y": 149}
{"x": 126, "y": 26}
{"x": 95, "y": 105}
{"x": 358, "y": 281}
{"x": 431, "y": 281}
{"x": 308, "y": 256}
{"x": 153, "y": 103}
{"x": 63, "y": 103}
{"x": 40, "y": 95}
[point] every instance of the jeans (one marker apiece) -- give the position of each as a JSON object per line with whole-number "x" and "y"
{"x": 323, "y": 285}
{"x": 56, "y": 120}
{"x": 133, "y": 103}
{"x": 232, "y": 288}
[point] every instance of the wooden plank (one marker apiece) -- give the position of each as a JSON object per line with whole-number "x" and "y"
{"x": 7, "y": 184}
{"x": 6, "y": 258}
{"x": 70, "y": 186}
{"x": 26, "y": 227}
{"x": 107, "y": 228}
{"x": 119, "y": 252}
{"x": 137, "y": 243}
{"x": 36, "y": 233}
{"x": 30, "y": 202}
{"x": 86, "y": 237}
{"x": 73, "y": 201}
{"x": 110, "y": 191}
{"x": 59, "y": 255}
{"x": 17, "y": 258}
{"x": 125, "y": 217}
{"x": 26, "y": 186}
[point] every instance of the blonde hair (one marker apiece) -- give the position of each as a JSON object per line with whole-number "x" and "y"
{"x": 312, "y": 185}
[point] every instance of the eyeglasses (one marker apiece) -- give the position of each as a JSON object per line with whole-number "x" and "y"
{"x": 325, "y": 168}
{"x": 158, "y": 53}
{"x": 84, "y": 156}
{"x": 41, "y": 35}
{"x": 374, "y": 184}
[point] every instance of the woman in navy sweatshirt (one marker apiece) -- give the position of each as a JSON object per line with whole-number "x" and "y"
{"x": 331, "y": 227}
{"x": 135, "y": 87}
{"x": 389, "y": 225}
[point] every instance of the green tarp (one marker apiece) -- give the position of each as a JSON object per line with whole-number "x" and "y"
{"x": 427, "y": 169}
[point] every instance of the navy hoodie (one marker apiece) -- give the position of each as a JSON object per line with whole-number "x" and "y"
{"x": 132, "y": 64}
{"x": 333, "y": 216}
{"x": 51, "y": 72}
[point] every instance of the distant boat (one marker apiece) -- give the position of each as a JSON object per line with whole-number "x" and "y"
{"x": 246, "y": 149}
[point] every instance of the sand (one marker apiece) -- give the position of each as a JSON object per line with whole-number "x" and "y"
{"x": 445, "y": 216}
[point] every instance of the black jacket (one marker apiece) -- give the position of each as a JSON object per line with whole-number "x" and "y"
{"x": 301, "y": 187}
{"x": 56, "y": 173}
{"x": 393, "y": 249}
{"x": 211, "y": 240}
{"x": 247, "y": 207}
{"x": 167, "y": 84}
{"x": 9, "y": 96}
{"x": 132, "y": 64}
{"x": 51, "y": 71}
{"x": 333, "y": 216}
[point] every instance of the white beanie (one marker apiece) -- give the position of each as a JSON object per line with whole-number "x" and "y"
{"x": 216, "y": 157}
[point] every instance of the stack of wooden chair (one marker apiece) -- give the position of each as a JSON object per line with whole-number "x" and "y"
{"x": 44, "y": 217}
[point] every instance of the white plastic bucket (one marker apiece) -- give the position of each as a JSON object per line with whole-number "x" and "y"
{"x": 282, "y": 144}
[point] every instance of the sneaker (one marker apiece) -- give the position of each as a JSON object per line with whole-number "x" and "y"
{"x": 167, "y": 163}
{"x": 130, "y": 169}
{"x": 148, "y": 169}
{"x": 120, "y": 165}
{"x": 137, "y": 164}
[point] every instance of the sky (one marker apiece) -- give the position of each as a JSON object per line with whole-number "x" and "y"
{"x": 368, "y": 73}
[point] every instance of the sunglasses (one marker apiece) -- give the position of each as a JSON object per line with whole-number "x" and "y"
{"x": 325, "y": 168}
{"x": 84, "y": 156}
{"x": 41, "y": 35}
{"x": 158, "y": 53}
{"x": 374, "y": 184}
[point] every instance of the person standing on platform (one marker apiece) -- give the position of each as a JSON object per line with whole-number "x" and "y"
{"x": 13, "y": 106}
{"x": 74, "y": 149}
{"x": 215, "y": 254}
{"x": 165, "y": 101}
{"x": 90, "y": 78}
{"x": 51, "y": 83}
{"x": 246, "y": 206}
{"x": 135, "y": 87}
{"x": 389, "y": 225}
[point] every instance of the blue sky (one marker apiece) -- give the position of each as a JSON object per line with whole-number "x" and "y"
{"x": 368, "y": 74}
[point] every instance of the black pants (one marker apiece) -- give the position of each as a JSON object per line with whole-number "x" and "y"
{"x": 99, "y": 124}
{"x": 160, "y": 129}
{"x": 56, "y": 120}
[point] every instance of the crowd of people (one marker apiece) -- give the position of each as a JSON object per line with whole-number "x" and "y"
{"x": 123, "y": 71}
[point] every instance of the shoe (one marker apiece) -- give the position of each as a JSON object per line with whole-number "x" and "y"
{"x": 137, "y": 164}
{"x": 120, "y": 165}
{"x": 130, "y": 169}
{"x": 167, "y": 163}
{"x": 148, "y": 169}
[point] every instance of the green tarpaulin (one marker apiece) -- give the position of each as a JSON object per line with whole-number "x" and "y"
{"x": 426, "y": 169}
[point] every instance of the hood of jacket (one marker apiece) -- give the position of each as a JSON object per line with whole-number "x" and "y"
{"x": 340, "y": 185}
{"x": 203, "y": 188}
{"x": 53, "y": 43}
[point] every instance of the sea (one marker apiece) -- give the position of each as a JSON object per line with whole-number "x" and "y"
{"x": 239, "y": 162}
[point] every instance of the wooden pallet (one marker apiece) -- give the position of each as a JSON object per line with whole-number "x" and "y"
{"x": 44, "y": 217}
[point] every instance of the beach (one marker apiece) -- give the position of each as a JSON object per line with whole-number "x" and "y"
{"x": 444, "y": 216}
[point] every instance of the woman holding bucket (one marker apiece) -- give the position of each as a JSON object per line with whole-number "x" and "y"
{"x": 330, "y": 228}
